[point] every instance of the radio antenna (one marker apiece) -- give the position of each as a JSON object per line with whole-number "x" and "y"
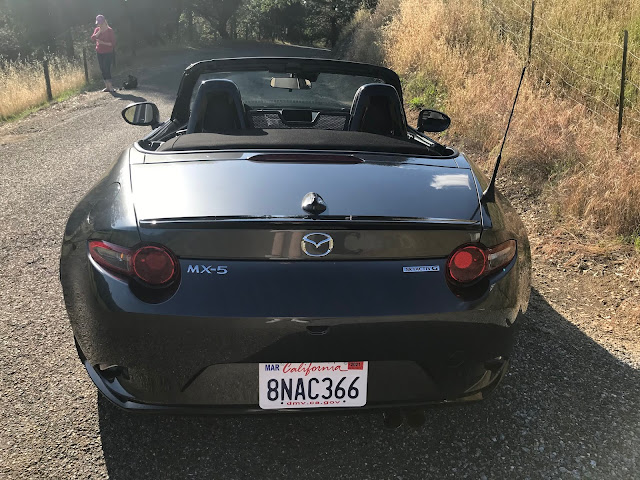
{"x": 489, "y": 194}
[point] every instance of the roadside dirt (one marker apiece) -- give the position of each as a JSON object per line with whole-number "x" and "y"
{"x": 51, "y": 117}
{"x": 588, "y": 277}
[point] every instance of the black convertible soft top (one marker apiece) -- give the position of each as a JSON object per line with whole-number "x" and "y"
{"x": 299, "y": 139}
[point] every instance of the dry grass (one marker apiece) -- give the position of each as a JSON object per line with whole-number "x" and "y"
{"x": 578, "y": 46}
{"x": 22, "y": 84}
{"x": 362, "y": 40}
{"x": 562, "y": 150}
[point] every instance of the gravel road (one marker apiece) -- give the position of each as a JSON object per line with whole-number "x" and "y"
{"x": 569, "y": 408}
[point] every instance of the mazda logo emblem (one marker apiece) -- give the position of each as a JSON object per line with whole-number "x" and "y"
{"x": 317, "y": 244}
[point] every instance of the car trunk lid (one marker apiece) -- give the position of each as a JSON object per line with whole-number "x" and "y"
{"x": 245, "y": 209}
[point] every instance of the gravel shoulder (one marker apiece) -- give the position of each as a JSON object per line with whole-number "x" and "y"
{"x": 569, "y": 408}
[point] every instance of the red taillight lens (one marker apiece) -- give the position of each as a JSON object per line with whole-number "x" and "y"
{"x": 154, "y": 265}
{"x": 470, "y": 263}
{"x": 467, "y": 264}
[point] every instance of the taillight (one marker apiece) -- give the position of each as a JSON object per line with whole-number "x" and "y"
{"x": 470, "y": 263}
{"x": 153, "y": 265}
{"x": 500, "y": 255}
{"x": 467, "y": 264}
{"x": 110, "y": 256}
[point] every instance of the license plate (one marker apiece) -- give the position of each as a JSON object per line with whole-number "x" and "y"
{"x": 313, "y": 385}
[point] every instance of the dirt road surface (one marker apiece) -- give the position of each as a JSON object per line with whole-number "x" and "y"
{"x": 569, "y": 408}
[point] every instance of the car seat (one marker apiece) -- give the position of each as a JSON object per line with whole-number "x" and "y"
{"x": 376, "y": 108}
{"x": 218, "y": 108}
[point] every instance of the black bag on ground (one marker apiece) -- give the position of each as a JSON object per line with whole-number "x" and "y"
{"x": 131, "y": 83}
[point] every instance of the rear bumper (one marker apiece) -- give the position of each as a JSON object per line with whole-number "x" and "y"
{"x": 112, "y": 389}
{"x": 410, "y": 363}
{"x": 160, "y": 358}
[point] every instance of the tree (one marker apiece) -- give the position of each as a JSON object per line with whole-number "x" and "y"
{"x": 302, "y": 20}
{"x": 330, "y": 17}
{"x": 10, "y": 40}
{"x": 40, "y": 30}
{"x": 28, "y": 26}
{"x": 280, "y": 19}
{"x": 216, "y": 12}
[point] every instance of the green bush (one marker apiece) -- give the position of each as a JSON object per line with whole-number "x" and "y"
{"x": 423, "y": 92}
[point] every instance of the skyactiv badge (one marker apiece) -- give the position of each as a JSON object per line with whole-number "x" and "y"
{"x": 424, "y": 268}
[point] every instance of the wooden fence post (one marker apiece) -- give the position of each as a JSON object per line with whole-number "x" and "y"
{"x": 47, "y": 79}
{"x": 622, "y": 82}
{"x": 86, "y": 66}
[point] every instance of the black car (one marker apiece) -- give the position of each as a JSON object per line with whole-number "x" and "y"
{"x": 286, "y": 241}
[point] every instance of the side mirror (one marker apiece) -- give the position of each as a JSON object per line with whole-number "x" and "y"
{"x": 142, "y": 114}
{"x": 433, "y": 121}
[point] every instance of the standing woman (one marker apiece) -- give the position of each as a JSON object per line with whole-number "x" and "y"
{"x": 105, "y": 42}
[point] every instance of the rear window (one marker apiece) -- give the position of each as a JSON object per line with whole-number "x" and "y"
{"x": 330, "y": 91}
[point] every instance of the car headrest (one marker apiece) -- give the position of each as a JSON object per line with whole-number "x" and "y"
{"x": 218, "y": 108}
{"x": 376, "y": 108}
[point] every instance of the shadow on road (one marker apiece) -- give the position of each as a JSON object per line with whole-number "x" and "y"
{"x": 128, "y": 96}
{"x": 567, "y": 408}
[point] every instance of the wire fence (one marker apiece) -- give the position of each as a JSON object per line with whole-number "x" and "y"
{"x": 29, "y": 82}
{"x": 589, "y": 73}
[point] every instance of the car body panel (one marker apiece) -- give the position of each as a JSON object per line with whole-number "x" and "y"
{"x": 236, "y": 188}
{"x": 248, "y": 292}
{"x": 267, "y": 241}
{"x": 449, "y": 345}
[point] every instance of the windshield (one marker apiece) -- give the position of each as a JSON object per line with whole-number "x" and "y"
{"x": 329, "y": 91}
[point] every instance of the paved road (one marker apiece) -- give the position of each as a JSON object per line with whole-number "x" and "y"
{"x": 568, "y": 408}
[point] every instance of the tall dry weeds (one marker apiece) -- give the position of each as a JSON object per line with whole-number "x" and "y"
{"x": 363, "y": 39}
{"x": 22, "y": 84}
{"x": 555, "y": 143}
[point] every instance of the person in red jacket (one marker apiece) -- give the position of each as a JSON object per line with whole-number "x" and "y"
{"x": 105, "y": 43}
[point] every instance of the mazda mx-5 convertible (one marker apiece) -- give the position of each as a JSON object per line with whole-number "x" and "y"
{"x": 286, "y": 241}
